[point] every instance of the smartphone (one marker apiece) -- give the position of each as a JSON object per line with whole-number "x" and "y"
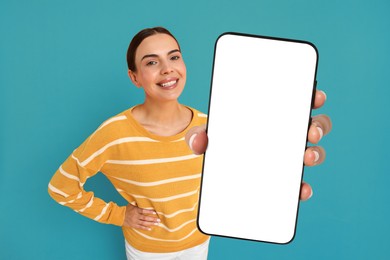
{"x": 262, "y": 93}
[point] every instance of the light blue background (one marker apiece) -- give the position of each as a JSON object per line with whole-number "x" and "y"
{"x": 63, "y": 71}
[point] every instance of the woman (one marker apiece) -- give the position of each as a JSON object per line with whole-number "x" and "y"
{"x": 143, "y": 151}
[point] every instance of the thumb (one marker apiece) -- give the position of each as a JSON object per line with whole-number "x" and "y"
{"x": 197, "y": 139}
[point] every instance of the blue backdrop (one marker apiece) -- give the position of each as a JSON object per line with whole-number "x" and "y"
{"x": 63, "y": 71}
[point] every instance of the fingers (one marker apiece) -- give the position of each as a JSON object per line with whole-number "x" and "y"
{"x": 146, "y": 211}
{"x": 136, "y": 217}
{"x": 314, "y": 155}
{"x": 145, "y": 222}
{"x": 319, "y": 99}
{"x": 306, "y": 191}
{"x": 320, "y": 126}
{"x": 197, "y": 139}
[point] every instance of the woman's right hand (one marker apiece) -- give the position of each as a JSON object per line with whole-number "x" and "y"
{"x": 136, "y": 217}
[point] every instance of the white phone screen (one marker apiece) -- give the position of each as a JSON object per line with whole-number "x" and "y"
{"x": 259, "y": 113}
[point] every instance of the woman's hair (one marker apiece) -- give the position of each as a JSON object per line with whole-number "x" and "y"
{"x": 138, "y": 38}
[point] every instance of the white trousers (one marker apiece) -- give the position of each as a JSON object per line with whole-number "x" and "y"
{"x": 194, "y": 253}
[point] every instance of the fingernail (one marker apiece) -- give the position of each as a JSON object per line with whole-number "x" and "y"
{"x": 320, "y": 131}
{"x": 324, "y": 93}
{"x": 311, "y": 194}
{"x": 192, "y": 138}
{"x": 316, "y": 156}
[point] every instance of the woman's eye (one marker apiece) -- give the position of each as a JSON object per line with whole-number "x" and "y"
{"x": 175, "y": 57}
{"x": 151, "y": 63}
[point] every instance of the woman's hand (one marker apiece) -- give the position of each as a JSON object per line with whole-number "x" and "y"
{"x": 136, "y": 217}
{"x": 320, "y": 126}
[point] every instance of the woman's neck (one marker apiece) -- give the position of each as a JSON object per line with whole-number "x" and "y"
{"x": 163, "y": 118}
{"x": 161, "y": 113}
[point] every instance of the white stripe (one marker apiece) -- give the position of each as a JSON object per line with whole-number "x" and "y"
{"x": 76, "y": 159}
{"x": 177, "y": 212}
{"x": 165, "y": 240}
{"x": 155, "y": 183}
{"x": 178, "y": 140}
{"x": 187, "y": 194}
{"x": 78, "y": 162}
{"x": 153, "y": 161}
{"x": 55, "y": 190}
{"x": 109, "y": 121}
{"x": 202, "y": 115}
{"x": 88, "y": 205}
{"x": 134, "y": 203}
{"x": 71, "y": 201}
{"x": 118, "y": 141}
{"x": 179, "y": 227}
{"x": 70, "y": 176}
{"x": 161, "y": 213}
{"x": 102, "y": 213}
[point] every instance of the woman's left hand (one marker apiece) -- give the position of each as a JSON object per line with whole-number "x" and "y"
{"x": 320, "y": 126}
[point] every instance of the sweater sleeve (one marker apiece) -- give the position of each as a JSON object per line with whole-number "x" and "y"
{"x": 66, "y": 186}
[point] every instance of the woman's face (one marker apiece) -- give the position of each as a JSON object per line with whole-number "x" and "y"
{"x": 161, "y": 71}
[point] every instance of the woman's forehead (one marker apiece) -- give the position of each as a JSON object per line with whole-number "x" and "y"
{"x": 159, "y": 44}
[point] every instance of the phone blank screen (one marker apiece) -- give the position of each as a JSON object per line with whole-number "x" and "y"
{"x": 258, "y": 118}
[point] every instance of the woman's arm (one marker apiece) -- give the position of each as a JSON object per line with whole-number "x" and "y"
{"x": 67, "y": 185}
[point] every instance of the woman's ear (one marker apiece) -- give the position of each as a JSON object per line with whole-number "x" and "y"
{"x": 133, "y": 78}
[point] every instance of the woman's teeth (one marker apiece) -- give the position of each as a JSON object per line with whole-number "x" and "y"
{"x": 168, "y": 84}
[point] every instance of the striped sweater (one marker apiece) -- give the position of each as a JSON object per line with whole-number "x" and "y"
{"x": 149, "y": 171}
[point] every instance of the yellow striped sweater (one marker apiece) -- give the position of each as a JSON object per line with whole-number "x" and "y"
{"x": 149, "y": 171}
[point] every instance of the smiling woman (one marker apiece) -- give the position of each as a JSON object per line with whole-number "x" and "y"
{"x": 143, "y": 152}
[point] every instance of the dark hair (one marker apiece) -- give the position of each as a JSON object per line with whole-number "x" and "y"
{"x": 138, "y": 38}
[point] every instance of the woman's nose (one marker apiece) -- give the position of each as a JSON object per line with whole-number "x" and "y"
{"x": 166, "y": 68}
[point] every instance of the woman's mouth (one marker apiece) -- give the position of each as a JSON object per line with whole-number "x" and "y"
{"x": 168, "y": 83}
